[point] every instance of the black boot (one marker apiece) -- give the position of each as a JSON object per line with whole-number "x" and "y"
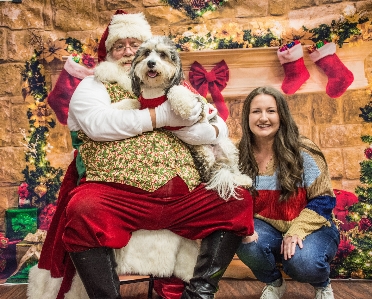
{"x": 96, "y": 268}
{"x": 216, "y": 252}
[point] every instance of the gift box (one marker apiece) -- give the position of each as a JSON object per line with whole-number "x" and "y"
{"x": 8, "y": 259}
{"x": 30, "y": 247}
{"x": 21, "y": 277}
{"x": 27, "y": 255}
{"x": 20, "y": 222}
{"x": 21, "y": 249}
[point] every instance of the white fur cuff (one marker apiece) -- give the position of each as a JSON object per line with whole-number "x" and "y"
{"x": 77, "y": 70}
{"x": 291, "y": 54}
{"x": 327, "y": 49}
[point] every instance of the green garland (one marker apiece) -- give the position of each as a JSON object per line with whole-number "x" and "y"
{"x": 43, "y": 181}
{"x": 351, "y": 27}
{"x": 195, "y": 8}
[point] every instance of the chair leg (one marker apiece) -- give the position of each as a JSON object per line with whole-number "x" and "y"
{"x": 151, "y": 287}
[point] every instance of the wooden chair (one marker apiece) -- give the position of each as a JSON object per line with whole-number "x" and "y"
{"x": 126, "y": 279}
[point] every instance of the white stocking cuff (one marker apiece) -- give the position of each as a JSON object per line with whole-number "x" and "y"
{"x": 291, "y": 54}
{"x": 327, "y": 49}
{"x": 77, "y": 70}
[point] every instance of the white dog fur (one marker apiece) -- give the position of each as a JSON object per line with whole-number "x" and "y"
{"x": 156, "y": 71}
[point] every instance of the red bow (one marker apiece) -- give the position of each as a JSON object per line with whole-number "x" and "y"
{"x": 214, "y": 81}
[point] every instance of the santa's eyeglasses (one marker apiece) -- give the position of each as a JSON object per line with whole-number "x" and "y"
{"x": 121, "y": 47}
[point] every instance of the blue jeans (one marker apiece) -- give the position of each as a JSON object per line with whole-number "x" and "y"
{"x": 309, "y": 264}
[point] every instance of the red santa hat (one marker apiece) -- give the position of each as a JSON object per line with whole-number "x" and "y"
{"x": 123, "y": 25}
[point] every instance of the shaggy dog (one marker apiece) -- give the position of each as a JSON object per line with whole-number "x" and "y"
{"x": 157, "y": 71}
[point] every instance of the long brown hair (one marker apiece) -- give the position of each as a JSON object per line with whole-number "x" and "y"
{"x": 287, "y": 143}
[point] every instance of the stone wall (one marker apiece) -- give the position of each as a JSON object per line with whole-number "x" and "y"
{"x": 333, "y": 124}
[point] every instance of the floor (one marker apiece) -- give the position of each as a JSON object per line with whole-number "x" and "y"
{"x": 232, "y": 289}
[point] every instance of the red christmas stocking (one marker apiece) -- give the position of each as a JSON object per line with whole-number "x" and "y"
{"x": 70, "y": 77}
{"x": 295, "y": 70}
{"x": 339, "y": 76}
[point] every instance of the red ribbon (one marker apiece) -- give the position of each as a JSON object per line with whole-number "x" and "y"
{"x": 214, "y": 82}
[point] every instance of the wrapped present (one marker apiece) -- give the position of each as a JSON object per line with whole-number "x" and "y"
{"x": 35, "y": 240}
{"x": 20, "y": 222}
{"x": 8, "y": 259}
{"x": 28, "y": 254}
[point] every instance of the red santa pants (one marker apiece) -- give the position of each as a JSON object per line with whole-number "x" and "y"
{"x": 105, "y": 214}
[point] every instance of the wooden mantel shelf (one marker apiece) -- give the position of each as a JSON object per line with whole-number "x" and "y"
{"x": 251, "y": 68}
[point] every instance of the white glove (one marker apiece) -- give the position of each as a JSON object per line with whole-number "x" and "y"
{"x": 166, "y": 117}
{"x": 210, "y": 111}
{"x": 197, "y": 134}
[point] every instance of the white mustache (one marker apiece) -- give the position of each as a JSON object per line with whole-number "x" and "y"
{"x": 125, "y": 60}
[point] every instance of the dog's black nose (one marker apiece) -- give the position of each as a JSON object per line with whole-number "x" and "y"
{"x": 151, "y": 63}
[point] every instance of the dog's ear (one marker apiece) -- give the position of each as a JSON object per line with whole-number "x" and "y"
{"x": 178, "y": 75}
{"x": 136, "y": 82}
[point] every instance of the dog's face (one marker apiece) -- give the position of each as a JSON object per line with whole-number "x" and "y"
{"x": 156, "y": 65}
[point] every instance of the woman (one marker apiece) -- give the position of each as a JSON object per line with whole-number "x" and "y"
{"x": 293, "y": 199}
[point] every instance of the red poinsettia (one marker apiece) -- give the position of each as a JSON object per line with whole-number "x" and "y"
{"x": 46, "y": 216}
{"x": 344, "y": 200}
{"x": 368, "y": 153}
{"x": 344, "y": 249}
{"x": 23, "y": 191}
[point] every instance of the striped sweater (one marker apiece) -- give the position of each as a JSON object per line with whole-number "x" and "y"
{"x": 308, "y": 210}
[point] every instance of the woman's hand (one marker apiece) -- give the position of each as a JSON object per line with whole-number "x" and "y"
{"x": 249, "y": 239}
{"x": 288, "y": 247}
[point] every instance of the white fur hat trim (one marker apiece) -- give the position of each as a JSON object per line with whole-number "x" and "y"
{"x": 127, "y": 26}
{"x": 291, "y": 54}
{"x": 327, "y": 49}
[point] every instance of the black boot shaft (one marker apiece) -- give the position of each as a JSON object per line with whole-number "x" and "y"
{"x": 216, "y": 252}
{"x": 96, "y": 268}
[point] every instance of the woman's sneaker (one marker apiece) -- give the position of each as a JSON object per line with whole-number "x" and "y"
{"x": 271, "y": 292}
{"x": 324, "y": 293}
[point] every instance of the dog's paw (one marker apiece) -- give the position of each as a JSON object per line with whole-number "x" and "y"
{"x": 182, "y": 100}
{"x": 126, "y": 104}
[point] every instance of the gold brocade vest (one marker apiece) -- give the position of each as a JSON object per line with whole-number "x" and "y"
{"x": 147, "y": 161}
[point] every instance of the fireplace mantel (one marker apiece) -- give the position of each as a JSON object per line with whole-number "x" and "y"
{"x": 251, "y": 68}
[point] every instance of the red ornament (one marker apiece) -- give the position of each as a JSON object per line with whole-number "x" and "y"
{"x": 368, "y": 153}
{"x": 365, "y": 224}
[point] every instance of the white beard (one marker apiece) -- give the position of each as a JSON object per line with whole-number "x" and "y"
{"x": 111, "y": 71}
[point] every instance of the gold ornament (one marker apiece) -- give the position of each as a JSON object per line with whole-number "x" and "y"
{"x": 41, "y": 190}
{"x": 358, "y": 274}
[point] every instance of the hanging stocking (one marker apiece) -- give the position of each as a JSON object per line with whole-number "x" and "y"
{"x": 296, "y": 73}
{"x": 69, "y": 78}
{"x": 339, "y": 77}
